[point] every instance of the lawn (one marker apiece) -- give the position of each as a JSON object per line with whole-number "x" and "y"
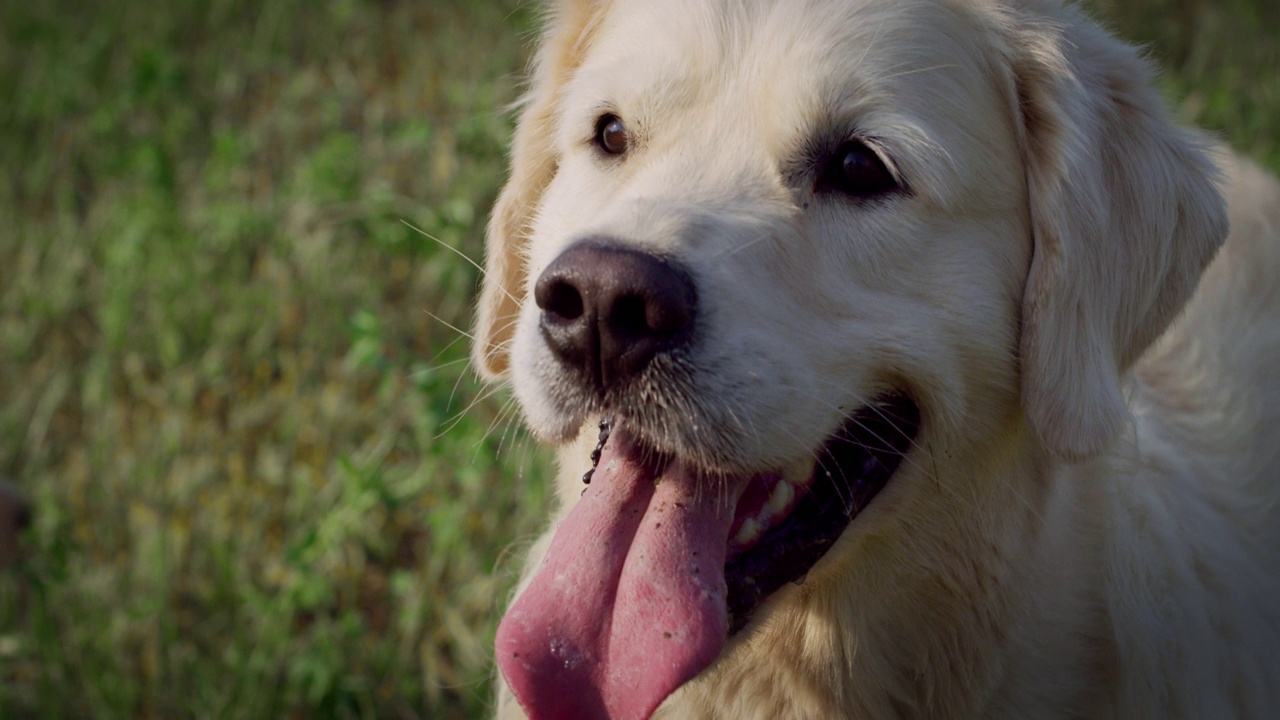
{"x": 231, "y": 375}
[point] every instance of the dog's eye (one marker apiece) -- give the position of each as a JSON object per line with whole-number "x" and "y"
{"x": 611, "y": 135}
{"x": 857, "y": 171}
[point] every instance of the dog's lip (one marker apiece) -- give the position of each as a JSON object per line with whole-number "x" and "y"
{"x": 855, "y": 464}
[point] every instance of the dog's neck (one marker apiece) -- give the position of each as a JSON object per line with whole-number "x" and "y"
{"x": 1171, "y": 589}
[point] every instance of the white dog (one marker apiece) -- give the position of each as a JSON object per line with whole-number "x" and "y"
{"x": 935, "y": 391}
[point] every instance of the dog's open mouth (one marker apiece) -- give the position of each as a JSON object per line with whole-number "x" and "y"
{"x": 659, "y": 563}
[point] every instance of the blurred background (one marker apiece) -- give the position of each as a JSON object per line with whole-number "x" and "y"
{"x": 264, "y": 482}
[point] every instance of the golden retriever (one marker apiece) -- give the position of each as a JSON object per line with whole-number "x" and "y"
{"x": 932, "y": 384}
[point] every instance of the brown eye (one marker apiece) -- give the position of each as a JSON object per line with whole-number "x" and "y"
{"x": 611, "y": 135}
{"x": 857, "y": 171}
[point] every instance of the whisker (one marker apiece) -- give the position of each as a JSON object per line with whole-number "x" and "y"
{"x": 457, "y": 383}
{"x": 452, "y": 422}
{"x": 730, "y": 251}
{"x": 452, "y": 327}
{"x": 434, "y": 368}
{"x": 866, "y": 51}
{"x": 462, "y": 255}
{"x": 507, "y": 416}
{"x": 443, "y": 350}
{"x": 918, "y": 70}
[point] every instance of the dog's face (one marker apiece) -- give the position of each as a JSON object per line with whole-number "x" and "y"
{"x": 819, "y": 287}
{"x": 801, "y": 253}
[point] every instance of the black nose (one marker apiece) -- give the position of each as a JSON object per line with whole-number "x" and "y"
{"x": 608, "y": 311}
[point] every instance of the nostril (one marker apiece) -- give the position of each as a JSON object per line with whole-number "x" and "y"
{"x": 629, "y": 317}
{"x": 670, "y": 311}
{"x": 562, "y": 302}
{"x": 647, "y": 315}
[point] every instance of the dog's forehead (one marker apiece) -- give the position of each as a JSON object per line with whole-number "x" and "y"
{"x": 924, "y": 70}
{"x": 831, "y": 42}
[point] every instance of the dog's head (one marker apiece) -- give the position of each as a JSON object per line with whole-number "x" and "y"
{"x": 798, "y": 251}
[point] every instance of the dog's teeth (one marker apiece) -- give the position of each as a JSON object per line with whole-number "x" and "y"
{"x": 749, "y": 531}
{"x": 783, "y": 493}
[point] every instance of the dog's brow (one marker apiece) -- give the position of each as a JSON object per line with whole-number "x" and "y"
{"x": 811, "y": 148}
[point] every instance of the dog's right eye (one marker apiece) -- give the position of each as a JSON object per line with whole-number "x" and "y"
{"x": 857, "y": 171}
{"x": 611, "y": 135}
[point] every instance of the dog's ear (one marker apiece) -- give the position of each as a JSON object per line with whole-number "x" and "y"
{"x": 566, "y": 32}
{"x": 1125, "y": 216}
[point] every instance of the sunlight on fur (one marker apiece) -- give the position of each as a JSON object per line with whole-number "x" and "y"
{"x": 970, "y": 221}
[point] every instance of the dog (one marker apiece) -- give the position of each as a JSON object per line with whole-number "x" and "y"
{"x": 918, "y": 364}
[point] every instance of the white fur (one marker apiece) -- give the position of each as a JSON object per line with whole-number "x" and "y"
{"x": 1087, "y": 526}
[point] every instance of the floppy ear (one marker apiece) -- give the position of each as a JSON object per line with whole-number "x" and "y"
{"x": 1125, "y": 216}
{"x": 533, "y": 164}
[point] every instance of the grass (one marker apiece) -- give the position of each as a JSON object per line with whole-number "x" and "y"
{"x": 222, "y": 381}
{"x": 1220, "y": 59}
{"x": 266, "y": 484}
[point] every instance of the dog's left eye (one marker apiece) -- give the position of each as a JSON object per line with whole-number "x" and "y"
{"x": 611, "y": 135}
{"x": 857, "y": 171}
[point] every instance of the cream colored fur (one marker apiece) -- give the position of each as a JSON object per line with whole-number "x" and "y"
{"x": 1087, "y": 527}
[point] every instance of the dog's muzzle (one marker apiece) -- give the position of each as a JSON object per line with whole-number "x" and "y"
{"x": 607, "y": 311}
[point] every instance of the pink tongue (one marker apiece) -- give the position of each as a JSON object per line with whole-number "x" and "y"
{"x": 629, "y": 602}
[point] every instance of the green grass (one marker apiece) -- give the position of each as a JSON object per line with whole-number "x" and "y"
{"x": 1221, "y": 60}
{"x": 223, "y": 385}
{"x": 265, "y": 483}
